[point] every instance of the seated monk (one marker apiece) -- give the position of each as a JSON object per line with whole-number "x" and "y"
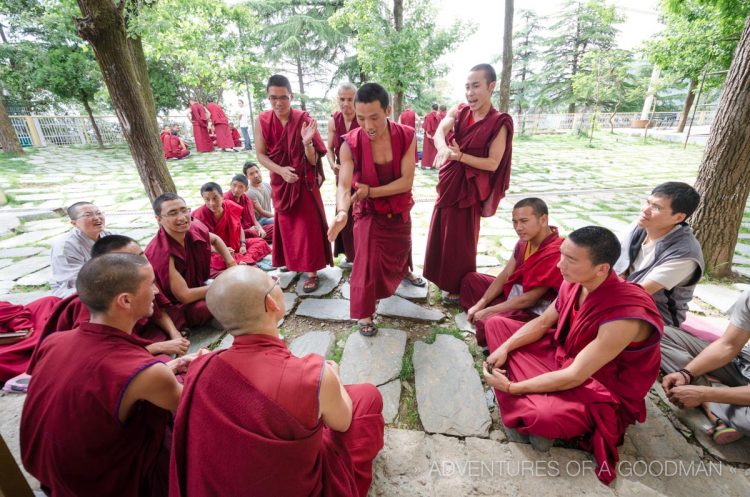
{"x": 95, "y": 419}
{"x": 581, "y": 370}
{"x": 250, "y": 223}
{"x": 224, "y": 219}
{"x": 529, "y": 281}
{"x": 175, "y": 147}
{"x": 159, "y": 329}
{"x": 181, "y": 255}
{"x": 235, "y": 135}
{"x": 29, "y": 319}
{"x": 166, "y": 131}
{"x": 256, "y": 420}
{"x": 689, "y": 361}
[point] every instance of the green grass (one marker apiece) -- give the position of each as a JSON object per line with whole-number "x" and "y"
{"x": 443, "y": 330}
{"x": 407, "y": 365}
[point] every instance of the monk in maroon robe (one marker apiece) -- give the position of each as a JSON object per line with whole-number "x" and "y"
{"x": 30, "y": 318}
{"x": 288, "y": 144}
{"x": 181, "y": 255}
{"x": 377, "y": 161}
{"x": 409, "y": 118}
{"x": 164, "y": 138}
{"x": 429, "y": 125}
{"x": 250, "y": 224}
{"x": 580, "y": 371}
{"x": 235, "y": 135}
{"x": 224, "y": 220}
{"x": 98, "y": 406}
{"x": 199, "y": 118}
{"x": 256, "y": 420}
{"x": 528, "y": 284}
{"x": 175, "y": 148}
{"x": 470, "y": 185}
{"x": 339, "y": 124}
{"x": 220, "y": 121}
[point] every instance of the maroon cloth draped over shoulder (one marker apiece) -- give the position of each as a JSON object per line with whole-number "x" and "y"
{"x": 344, "y": 243}
{"x": 14, "y": 357}
{"x": 430, "y": 125}
{"x": 221, "y": 126}
{"x": 597, "y": 412}
{"x": 236, "y": 137}
{"x": 408, "y": 118}
{"x": 339, "y": 130}
{"x": 192, "y": 261}
{"x": 382, "y": 226}
{"x": 248, "y": 425}
{"x": 228, "y": 229}
{"x": 199, "y": 119}
{"x": 72, "y": 439}
{"x": 300, "y": 239}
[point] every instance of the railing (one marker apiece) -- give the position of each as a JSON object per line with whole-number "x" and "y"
{"x": 43, "y": 131}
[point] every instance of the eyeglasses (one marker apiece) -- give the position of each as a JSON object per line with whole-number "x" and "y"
{"x": 90, "y": 215}
{"x": 651, "y": 206}
{"x": 185, "y": 211}
{"x": 265, "y": 297}
{"x": 283, "y": 98}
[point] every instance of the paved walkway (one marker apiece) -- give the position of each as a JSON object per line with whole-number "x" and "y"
{"x": 444, "y": 436}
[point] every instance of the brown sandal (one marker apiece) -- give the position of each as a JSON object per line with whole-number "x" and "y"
{"x": 312, "y": 284}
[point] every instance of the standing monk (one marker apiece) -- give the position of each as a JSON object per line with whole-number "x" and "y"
{"x": 339, "y": 124}
{"x": 288, "y": 144}
{"x": 199, "y": 118}
{"x": 471, "y": 184}
{"x": 443, "y": 112}
{"x": 409, "y": 118}
{"x": 221, "y": 126}
{"x": 376, "y": 160}
{"x": 429, "y": 125}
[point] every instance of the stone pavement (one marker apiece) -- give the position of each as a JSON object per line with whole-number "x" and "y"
{"x": 443, "y": 433}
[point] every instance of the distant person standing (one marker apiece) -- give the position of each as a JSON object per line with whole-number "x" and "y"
{"x": 221, "y": 126}
{"x": 410, "y": 118}
{"x": 199, "y": 117}
{"x": 244, "y": 115}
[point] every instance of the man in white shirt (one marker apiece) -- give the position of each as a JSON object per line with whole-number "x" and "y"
{"x": 660, "y": 252}
{"x": 71, "y": 252}
{"x": 244, "y": 114}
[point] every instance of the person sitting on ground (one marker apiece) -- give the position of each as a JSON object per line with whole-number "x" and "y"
{"x": 660, "y": 251}
{"x": 689, "y": 361}
{"x": 71, "y": 252}
{"x": 529, "y": 281}
{"x": 234, "y": 132}
{"x": 238, "y": 194}
{"x": 181, "y": 255}
{"x": 283, "y": 425}
{"x": 580, "y": 371}
{"x": 95, "y": 419}
{"x": 260, "y": 193}
{"x": 224, "y": 220}
{"x": 177, "y": 149}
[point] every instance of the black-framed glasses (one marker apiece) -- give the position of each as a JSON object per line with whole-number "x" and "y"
{"x": 265, "y": 297}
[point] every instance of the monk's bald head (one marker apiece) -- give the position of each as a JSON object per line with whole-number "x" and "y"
{"x": 237, "y": 299}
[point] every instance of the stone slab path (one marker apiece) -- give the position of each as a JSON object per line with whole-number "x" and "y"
{"x": 450, "y": 396}
{"x": 329, "y": 279}
{"x": 312, "y": 342}
{"x": 324, "y": 309}
{"x": 400, "y": 307}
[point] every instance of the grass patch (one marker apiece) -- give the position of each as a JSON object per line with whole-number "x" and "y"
{"x": 407, "y": 365}
{"x": 30, "y": 288}
{"x": 443, "y": 330}
{"x": 338, "y": 347}
{"x": 408, "y": 414}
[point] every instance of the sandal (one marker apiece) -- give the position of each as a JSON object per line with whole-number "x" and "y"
{"x": 418, "y": 281}
{"x": 448, "y": 300}
{"x": 311, "y": 284}
{"x": 367, "y": 329}
{"x": 723, "y": 434}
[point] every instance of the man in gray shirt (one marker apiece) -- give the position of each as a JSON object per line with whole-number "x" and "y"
{"x": 688, "y": 360}
{"x": 71, "y": 252}
{"x": 259, "y": 193}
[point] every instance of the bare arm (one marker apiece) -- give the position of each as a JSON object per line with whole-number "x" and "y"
{"x": 330, "y": 146}
{"x": 343, "y": 192}
{"x": 261, "y": 152}
{"x": 528, "y": 333}
{"x": 402, "y": 184}
{"x": 496, "y": 287}
{"x": 221, "y": 247}
{"x": 180, "y": 288}
{"x": 446, "y": 124}
{"x": 651, "y": 286}
{"x": 156, "y": 384}
{"x": 335, "y": 403}
{"x": 523, "y": 301}
{"x": 260, "y": 210}
{"x": 491, "y": 163}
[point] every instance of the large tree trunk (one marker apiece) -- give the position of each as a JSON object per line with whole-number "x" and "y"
{"x": 8, "y": 137}
{"x": 507, "y": 57}
{"x": 144, "y": 83}
{"x": 724, "y": 175}
{"x": 301, "y": 82}
{"x": 93, "y": 122}
{"x": 686, "y": 107}
{"x": 103, "y": 26}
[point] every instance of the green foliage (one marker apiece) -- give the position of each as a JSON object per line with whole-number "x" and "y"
{"x": 526, "y": 43}
{"x": 604, "y": 79}
{"x": 402, "y": 61}
{"x": 71, "y": 73}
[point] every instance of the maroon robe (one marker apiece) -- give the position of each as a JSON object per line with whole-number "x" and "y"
{"x": 235, "y": 137}
{"x": 382, "y": 226}
{"x": 14, "y": 357}
{"x": 72, "y": 440}
{"x": 344, "y": 243}
{"x": 174, "y": 148}
{"x": 248, "y": 216}
{"x": 429, "y": 151}
{"x": 597, "y": 412}
{"x": 228, "y": 229}
{"x": 192, "y": 261}
{"x": 539, "y": 270}
{"x": 300, "y": 240}
{"x": 409, "y": 118}
{"x": 248, "y": 425}
{"x": 465, "y": 194}
{"x": 200, "y": 128}
{"x": 221, "y": 126}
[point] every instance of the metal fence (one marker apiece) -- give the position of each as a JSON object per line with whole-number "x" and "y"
{"x": 43, "y": 131}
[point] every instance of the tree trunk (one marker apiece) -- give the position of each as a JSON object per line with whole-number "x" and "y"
{"x": 505, "y": 74}
{"x": 686, "y": 107}
{"x": 103, "y": 26}
{"x": 93, "y": 122}
{"x": 301, "y": 82}
{"x": 398, "y": 24}
{"x": 8, "y": 137}
{"x": 724, "y": 174}
{"x": 144, "y": 83}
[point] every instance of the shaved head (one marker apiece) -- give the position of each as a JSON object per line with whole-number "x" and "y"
{"x": 237, "y": 299}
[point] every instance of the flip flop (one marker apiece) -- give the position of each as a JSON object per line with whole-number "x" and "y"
{"x": 311, "y": 284}
{"x": 723, "y": 434}
{"x": 367, "y": 329}
{"x": 418, "y": 281}
{"x": 451, "y": 300}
